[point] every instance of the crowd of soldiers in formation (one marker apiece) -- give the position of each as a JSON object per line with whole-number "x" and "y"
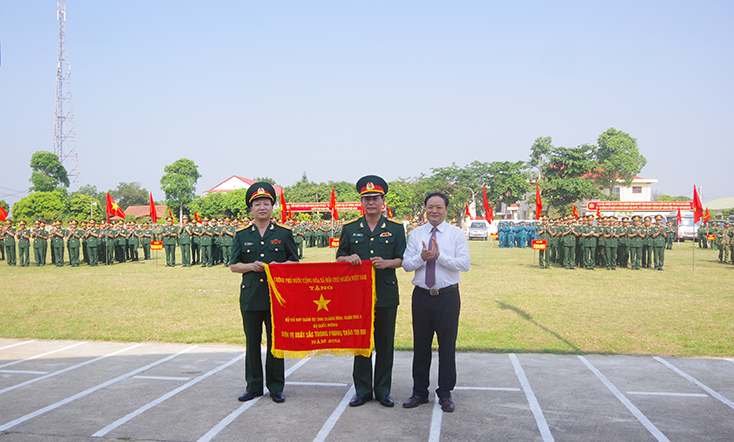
{"x": 723, "y": 239}
{"x": 206, "y": 242}
{"x": 605, "y": 242}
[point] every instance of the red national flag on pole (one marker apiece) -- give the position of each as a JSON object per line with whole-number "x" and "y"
{"x": 170, "y": 213}
{"x": 283, "y": 208}
{"x": 332, "y": 205}
{"x": 598, "y": 212}
{"x": 468, "y": 215}
{"x": 361, "y": 210}
{"x": 575, "y": 212}
{"x": 491, "y": 214}
{"x": 113, "y": 209}
{"x": 538, "y": 202}
{"x": 487, "y": 214}
{"x": 389, "y": 212}
{"x": 707, "y": 216}
{"x": 679, "y": 218}
{"x": 321, "y": 308}
{"x": 3, "y": 214}
{"x": 196, "y": 217}
{"x": 697, "y": 206}
{"x": 153, "y": 213}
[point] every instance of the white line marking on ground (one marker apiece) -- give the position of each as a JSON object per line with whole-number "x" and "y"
{"x": 436, "y": 419}
{"x": 652, "y": 393}
{"x": 319, "y": 384}
{"x": 487, "y": 388}
{"x": 695, "y": 382}
{"x": 545, "y": 432}
{"x": 22, "y": 372}
{"x": 242, "y": 408}
{"x": 41, "y": 355}
{"x": 161, "y": 378}
{"x": 335, "y": 415}
{"x": 623, "y": 399}
{"x": 17, "y": 344}
{"x": 166, "y": 396}
{"x": 73, "y": 367}
{"x": 63, "y": 402}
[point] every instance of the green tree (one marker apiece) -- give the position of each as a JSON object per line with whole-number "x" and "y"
{"x": 81, "y": 206}
{"x": 566, "y": 177}
{"x": 47, "y": 172}
{"x": 179, "y": 183}
{"x": 130, "y": 194}
{"x": 540, "y": 152}
{"x": 212, "y": 205}
{"x": 618, "y": 158}
{"x": 266, "y": 180}
{"x": 672, "y": 198}
{"x": 47, "y": 206}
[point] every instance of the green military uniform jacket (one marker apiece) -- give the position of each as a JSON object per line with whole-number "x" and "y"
{"x": 387, "y": 241}
{"x": 170, "y": 239}
{"x": 184, "y": 235}
{"x": 276, "y": 245}
{"x": 659, "y": 240}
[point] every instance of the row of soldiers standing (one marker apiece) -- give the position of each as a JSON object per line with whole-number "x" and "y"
{"x": 520, "y": 234}
{"x": 208, "y": 242}
{"x": 723, "y": 240}
{"x": 89, "y": 242}
{"x": 605, "y": 242}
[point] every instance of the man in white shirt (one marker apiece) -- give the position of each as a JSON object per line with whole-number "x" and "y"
{"x": 437, "y": 252}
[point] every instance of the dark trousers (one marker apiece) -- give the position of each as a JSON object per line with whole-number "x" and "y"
{"x": 611, "y": 251}
{"x": 252, "y": 322}
{"x": 185, "y": 254}
{"x": 384, "y": 351}
{"x": 24, "y": 256}
{"x": 10, "y": 253}
{"x": 439, "y": 315}
{"x": 170, "y": 254}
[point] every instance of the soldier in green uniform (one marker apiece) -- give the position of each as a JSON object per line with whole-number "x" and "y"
{"x": 544, "y": 234}
{"x": 184, "y": 241}
{"x": 308, "y": 235}
{"x": 57, "y": 244}
{"x": 23, "y": 235}
{"x": 73, "y": 242}
{"x": 121, "y": 244}
{"x": 636, "y": 234}
{"x": 658, "y": 242}
{"x": 205, "y": 243}
{"x": 217, "y": 229}
{"x": 601, "y": 242}
{"x": 169, "y": 233}
{"x": 374, "y": 238}
{"x": 254, "y": 246}
{"x": 725, "y": 241}
{"x": 110, "y": 243}
{"x": 623, "y": 244}
{"x": 146, "y": 237}
{"x": 133, "y": 241}
{"x": 195, "y": 231}
{"x": 227, "y": 239}
{"x": 701, "y": 233}
{"x": 647, "y": 243}
{"x": 670, "y": 230}
{"x": 93, "y": 235}
{"x": 299, "y": 234}
{"x": 39, "y": 236}
{"x": 8, "y": 235}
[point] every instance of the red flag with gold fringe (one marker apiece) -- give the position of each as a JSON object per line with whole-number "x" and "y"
{"x": 322, "y": 308}
{"x": 113, "y": 209}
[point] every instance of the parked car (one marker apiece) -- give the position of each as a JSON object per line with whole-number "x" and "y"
{"x": 479, "y": 230}
{"x": 687, "y": 229}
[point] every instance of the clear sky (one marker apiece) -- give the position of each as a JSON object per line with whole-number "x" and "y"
{"x": 340, "y": 89}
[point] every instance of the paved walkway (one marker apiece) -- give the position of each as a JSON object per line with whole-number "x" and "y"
{"x": 95, "y": 391}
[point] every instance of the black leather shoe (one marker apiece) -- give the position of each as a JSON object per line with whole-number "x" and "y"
{"x": 278, "y": 398}
{"x": 386, "y": 401}
{"x": 248, "y": 396}
{"x": 447, "y": 404}
{"x": 358, "y": 400}
{"x": 414, "y": 401}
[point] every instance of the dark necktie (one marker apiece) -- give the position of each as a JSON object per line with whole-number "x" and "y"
{"x": 431, "y": 263}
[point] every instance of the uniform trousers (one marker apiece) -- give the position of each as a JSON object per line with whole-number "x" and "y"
{"x": 439, "y": 315}
{"x": 635, "y": 256}
{"x": 24, "y": 255}
{"x": 170, "y": 254}
{"x": 185, "y": 255}
{"x": 611, "y": 251}
{"x": 10, "y": 253}
{"x": 659, "y": 256}
{"x": 384, "y": 337}
{"x": 73, "y": 255}
{"x": 252, "y": 322}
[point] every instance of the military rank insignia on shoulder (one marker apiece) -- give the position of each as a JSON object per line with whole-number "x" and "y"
{"x": 350, "y": 222}
{"x": 239, "y": 229}
{"x": 395, "y": 222}
{"x": 283, "y": 226}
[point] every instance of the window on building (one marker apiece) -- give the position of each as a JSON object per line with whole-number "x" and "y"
{"x": 617, "y": 190}
{"x": 636, "y": 189}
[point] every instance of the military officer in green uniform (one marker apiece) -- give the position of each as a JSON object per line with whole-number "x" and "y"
{"x": 110, "y": 243}
{"x": 57, "y": 244}
{"x": 299, "y": 233}
{"x": 73, "y": 242}
{"x": 217, "y": 229}
{"x": 544, "y": 234}
{"x": 40, "y": 238}
{"x": 647, "y": 243}
{"x": 169, "y": 233}
{"x": 133, "y": 241}
{"x": 227, "y": 239}
{"x": 93, "y": 235}
{"x": 8, "y": 235}
{"x": 658, "y": 235}
{"x": 195, "y": 229}
{"x": 206, "y": 239}
{"x": 636, "y": 234}
{"x": 184, "y": 241}
{"x": 23, "y": 235}
{"x": 374, "y": 238}
{"x": 725, "y": 242}
{"x": 701, "y": 233}
{"x": 263, "y": 242}
{"x": 146, "y": 237}
{"x": 670, "y": 230}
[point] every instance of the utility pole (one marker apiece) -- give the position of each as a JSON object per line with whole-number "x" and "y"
{"x": 64, "y": 132}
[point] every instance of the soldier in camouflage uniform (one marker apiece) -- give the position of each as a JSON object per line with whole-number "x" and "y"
{"x": 725, "y": 242}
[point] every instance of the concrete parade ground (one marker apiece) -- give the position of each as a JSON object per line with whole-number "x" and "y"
{"x": 72, "y": 391}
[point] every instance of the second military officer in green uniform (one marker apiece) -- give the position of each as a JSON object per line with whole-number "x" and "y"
{"x": 263, "y": 242}
{"x": 376, "y": 239}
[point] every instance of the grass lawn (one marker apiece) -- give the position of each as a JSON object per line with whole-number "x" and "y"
{"x": 508, "y": 304}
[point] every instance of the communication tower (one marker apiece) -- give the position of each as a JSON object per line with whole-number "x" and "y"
{"x": 64, "y": 132}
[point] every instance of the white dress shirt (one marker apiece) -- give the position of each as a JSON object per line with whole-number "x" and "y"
{"x": 453, "y": 257}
